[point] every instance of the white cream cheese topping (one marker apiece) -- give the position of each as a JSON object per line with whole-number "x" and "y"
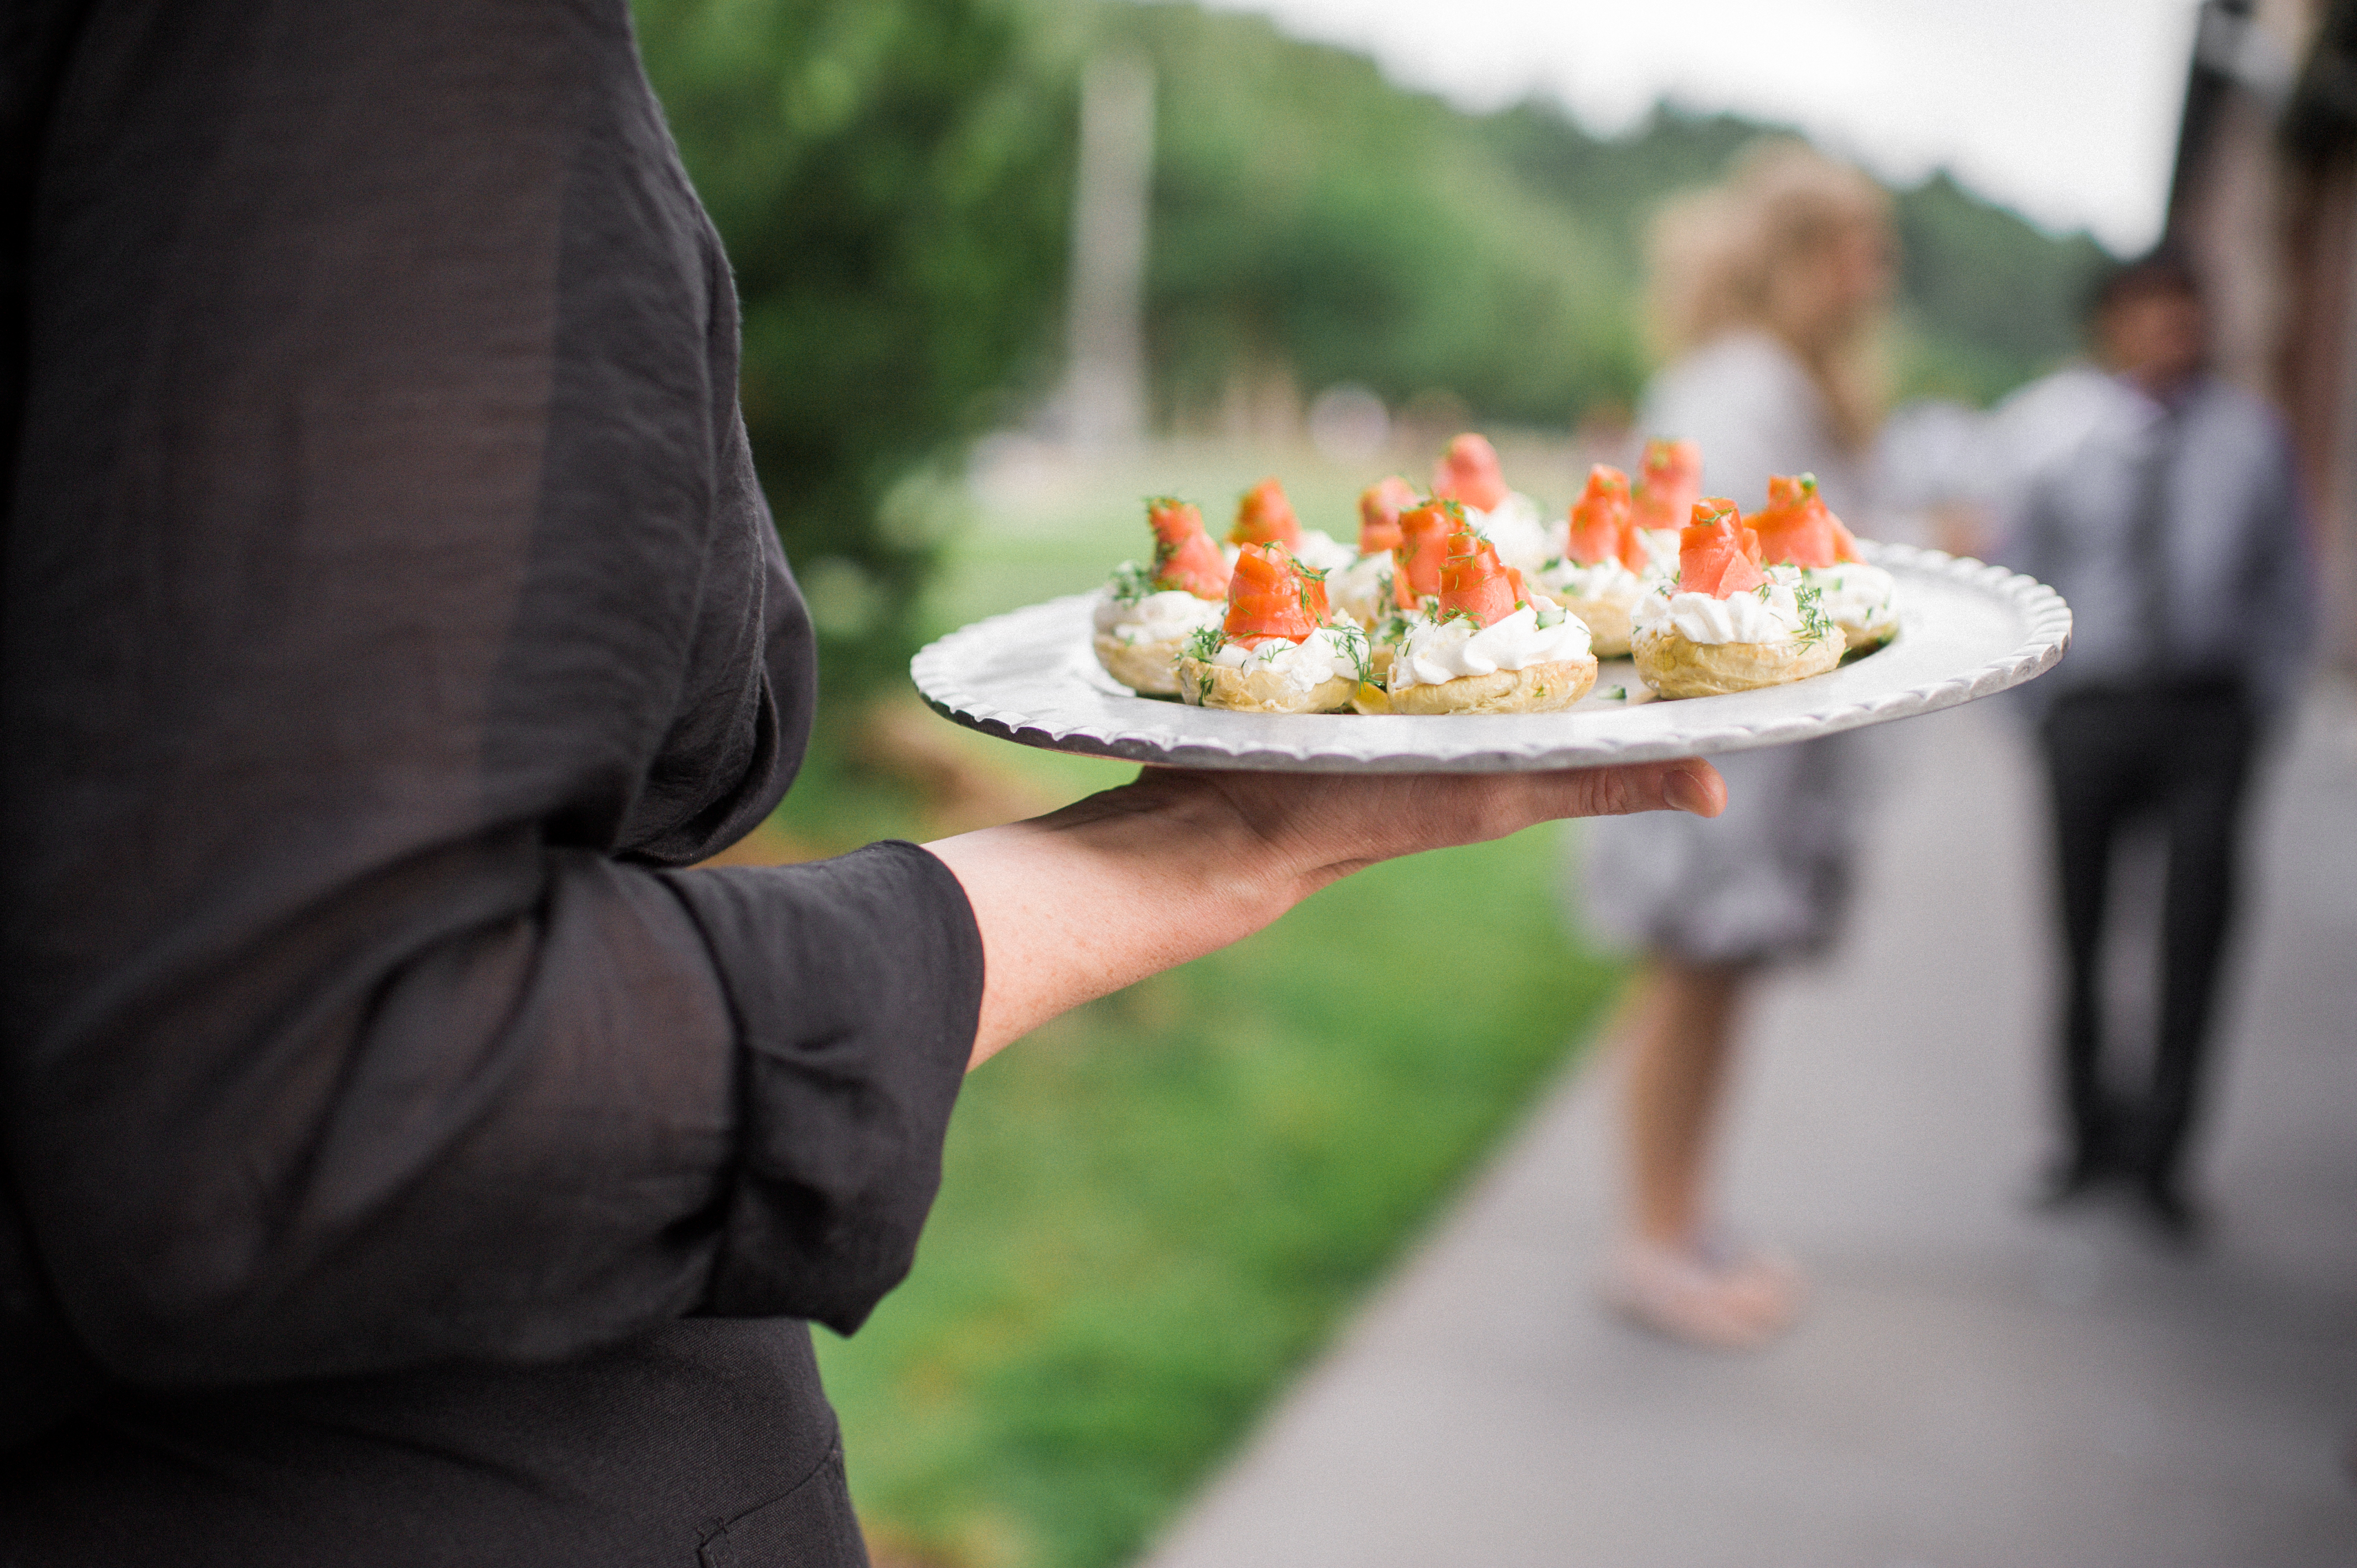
{"x": 1661, "y": 546}
{"x": 1769, "y": 613}
{"x": 1325, "y": 553}
{"x": 1357, "y": 590}
{"x": 1855, "y": 594}
{"x": 1446, "y": 650}
{"x": 1315, "y": 659}
{"x": 1169, "y": 616}
{"x": 1607, "y": 580}
{"x": 1518, "y": 530}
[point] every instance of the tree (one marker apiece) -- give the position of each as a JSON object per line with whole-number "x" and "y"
{"x": 891, "y": 178}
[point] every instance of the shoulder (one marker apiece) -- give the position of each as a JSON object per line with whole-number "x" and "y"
{"x": 2054, "y": 418}
{"x": 2078, "y": 392}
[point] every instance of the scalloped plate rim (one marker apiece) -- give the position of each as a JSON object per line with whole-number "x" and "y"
{"x": 1545, "y": 744}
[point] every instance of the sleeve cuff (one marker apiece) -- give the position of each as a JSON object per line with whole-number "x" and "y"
{"x": 856, "y": 988}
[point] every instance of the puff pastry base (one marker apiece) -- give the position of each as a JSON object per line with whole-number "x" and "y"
{"x": 1207, "y": 685}
{"x": 1150, "y": 669}
{"x": 1540, "y": 689}
{"x": 1863, "y": 640}
{"x": 1608, "y": 624}
{"x": 1675, "y": 666}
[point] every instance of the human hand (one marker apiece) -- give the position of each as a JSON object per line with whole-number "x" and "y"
{"x": 1182, "y": 862}
{"x": 1314, "y": 828}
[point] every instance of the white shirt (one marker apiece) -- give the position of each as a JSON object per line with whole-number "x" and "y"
{"x": 2074, "y": 451}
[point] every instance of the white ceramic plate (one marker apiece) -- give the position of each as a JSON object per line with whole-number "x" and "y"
{"x": 1966, "y": 631}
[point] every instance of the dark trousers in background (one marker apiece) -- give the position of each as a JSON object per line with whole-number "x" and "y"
{"x": 2178, "y": 755}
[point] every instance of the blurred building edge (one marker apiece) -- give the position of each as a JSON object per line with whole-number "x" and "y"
{"x": 2263, "y": 197}
{"x": 1103, "y": 403}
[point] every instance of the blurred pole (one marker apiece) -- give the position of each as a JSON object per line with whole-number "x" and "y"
{"x": 2236, "y": 55}
{"x": 1104, "y": 390}
{"x": 2208, "y": 81}
{"x": 2226, "y": 198}
{"x": 2320, "y": 134}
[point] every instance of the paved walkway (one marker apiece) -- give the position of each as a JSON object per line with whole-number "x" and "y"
{"x": 1974, "y": 1388}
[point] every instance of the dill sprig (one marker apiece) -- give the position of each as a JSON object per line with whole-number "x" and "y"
{"x": 1352, "y": 641}
{"x": 1131, "y": 581}
{"x": 1816, "y": 625}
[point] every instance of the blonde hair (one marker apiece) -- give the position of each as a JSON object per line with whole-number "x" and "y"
{"x": 1719, "y": 255}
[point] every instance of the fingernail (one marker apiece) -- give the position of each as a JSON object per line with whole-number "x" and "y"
{"x": 1683, "y": 790}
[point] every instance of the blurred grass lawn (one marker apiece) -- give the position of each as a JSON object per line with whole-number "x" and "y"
{"x": 1157, "y": 1207}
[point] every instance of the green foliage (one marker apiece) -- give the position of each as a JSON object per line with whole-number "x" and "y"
{"x": 1310, "y": 215}
{"x": 1987, "y": 301}
{"x": 891, "y": 178}
{"x": 1615, "y": 184}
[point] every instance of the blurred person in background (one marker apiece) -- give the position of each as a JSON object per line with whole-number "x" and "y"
{"x": 1768, "y": 289}
{"x": 402, "y": 1159}
{"x": 2163, "y": 503}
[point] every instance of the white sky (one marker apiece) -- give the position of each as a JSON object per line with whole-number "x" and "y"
{"x": 2064, "y": 109}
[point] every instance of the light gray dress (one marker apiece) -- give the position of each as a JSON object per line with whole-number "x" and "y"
{"x": 1768, "y": 877}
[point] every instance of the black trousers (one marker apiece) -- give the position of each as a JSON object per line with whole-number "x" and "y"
{"x": 2180, "y": 755}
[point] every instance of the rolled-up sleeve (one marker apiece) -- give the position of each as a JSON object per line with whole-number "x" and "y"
{"x": 855, "y": 1017}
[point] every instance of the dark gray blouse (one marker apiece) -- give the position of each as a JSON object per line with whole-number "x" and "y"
{"x": 404, "y": 1162}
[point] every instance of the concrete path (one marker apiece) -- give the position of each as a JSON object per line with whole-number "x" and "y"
{"x": 1974, "y": 1387}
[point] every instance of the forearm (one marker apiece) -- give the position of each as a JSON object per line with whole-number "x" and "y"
{"x": 1137, "y": 880}
{"x": 1096, "y": 897}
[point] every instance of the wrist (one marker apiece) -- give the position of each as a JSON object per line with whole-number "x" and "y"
{"x": 1108, "y": 890}
{"x": 1202, "y": 840}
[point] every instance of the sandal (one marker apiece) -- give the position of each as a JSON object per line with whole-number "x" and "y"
{"x": 1704, "y": 1294}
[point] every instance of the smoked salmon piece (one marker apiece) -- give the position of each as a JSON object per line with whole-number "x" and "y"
{"x": 1716, "y": 554}
{"x": 1468, "y": 472}
{"x": 1601, "y": 525}
{"x": 1417, "y": 558}
{"x": 1669, "y": 482}
{"x": 1184, "y": 555}
{"x": 1475, "y": 582}
{"x": 1379, "y": 506}
{"x": 1270, "y": 594}
{"x": 1264, "y": 516}
{"x": 1796, "y": 527}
